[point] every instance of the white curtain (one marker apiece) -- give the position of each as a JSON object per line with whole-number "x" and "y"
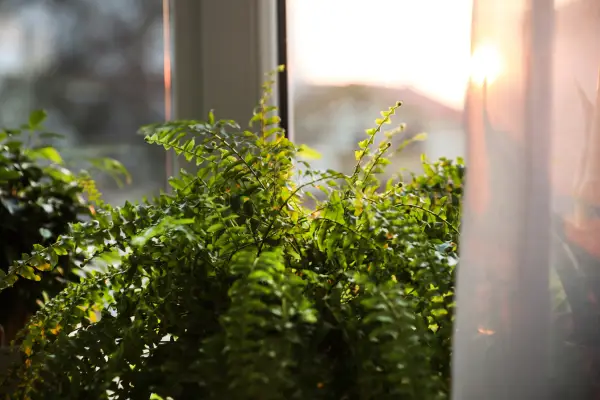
{"x": 528, "y": 319}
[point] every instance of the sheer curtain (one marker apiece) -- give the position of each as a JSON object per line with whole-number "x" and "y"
{"x": 528, "y": 319}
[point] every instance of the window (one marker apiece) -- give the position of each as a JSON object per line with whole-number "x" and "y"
{"x": 100, "y": 73}
{"x": 97, "y": 68}
{"x": 350, "y": 59}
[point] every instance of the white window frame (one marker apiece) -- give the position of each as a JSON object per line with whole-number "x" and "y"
{"x": 221, "y": 51}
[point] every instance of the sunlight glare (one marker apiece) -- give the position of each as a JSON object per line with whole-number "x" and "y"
{"x": 486, "y": 64}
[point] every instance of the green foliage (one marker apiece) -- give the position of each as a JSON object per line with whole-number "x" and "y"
{"x": 39, "y": 198}
{"x": 231, "y": 287}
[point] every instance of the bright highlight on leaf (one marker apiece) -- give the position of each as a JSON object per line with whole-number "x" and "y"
{"x": 308, "y": 153}
{"x": 47, "y": 153}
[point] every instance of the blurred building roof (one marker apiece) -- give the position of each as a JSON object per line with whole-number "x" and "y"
{"x": 312, "y": 99}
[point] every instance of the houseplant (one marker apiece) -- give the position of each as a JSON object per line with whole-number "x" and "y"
{"x": 230, "y": 287}
{"x": 39, "y": 198}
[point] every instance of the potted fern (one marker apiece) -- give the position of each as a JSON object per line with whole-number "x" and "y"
{"x": 232, "y": 286}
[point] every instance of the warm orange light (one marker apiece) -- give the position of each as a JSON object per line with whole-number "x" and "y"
{"x": 485, "y": 331}
{"x": 486, "y": 64}
{"x": 167, "y": 54}
{"x": 167, "y": 58}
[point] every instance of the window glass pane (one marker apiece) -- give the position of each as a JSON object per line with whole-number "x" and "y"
{"x": 351, "y": 59}
{"x": 97, "y": 68}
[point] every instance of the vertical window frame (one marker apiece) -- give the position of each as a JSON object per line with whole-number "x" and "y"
{"x": 218, "y": 44}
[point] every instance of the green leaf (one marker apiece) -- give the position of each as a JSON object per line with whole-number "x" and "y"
{"x": 420, "y": 137}
{"x": 47, "y": 153}
{"x": 308, "y": 153}
{"x": 28, "y": 273}
{"x": 60, "y": 251}
{"x": 8, "y": 175}
{"x": 214, "y": 228}
{"x": 428, "y": 170}
{"x": 43, "y": 267}
{"x": 36, "y": 118}
{"x": 114, "y": 168}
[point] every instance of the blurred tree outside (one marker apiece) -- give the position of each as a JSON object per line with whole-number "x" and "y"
{"x": 97, "y": 68}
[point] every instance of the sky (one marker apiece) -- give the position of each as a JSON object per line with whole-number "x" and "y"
{"x": 420, "y": 43}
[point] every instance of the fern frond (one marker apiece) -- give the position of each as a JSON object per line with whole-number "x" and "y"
{"x": 396, "y": 360}
{"x": 90, "y": 189}
{"x": 262, "y": 324}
